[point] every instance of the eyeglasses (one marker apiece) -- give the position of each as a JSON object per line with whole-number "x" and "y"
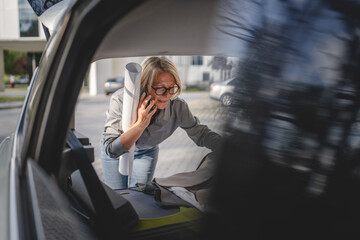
{"x": 161, "y": 91}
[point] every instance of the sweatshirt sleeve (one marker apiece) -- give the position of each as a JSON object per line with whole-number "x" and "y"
{"x": 113, "y": 126}
{"x": 199, "y": 133}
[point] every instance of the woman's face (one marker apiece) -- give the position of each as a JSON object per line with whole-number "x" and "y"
{"x": 163, "y": 79}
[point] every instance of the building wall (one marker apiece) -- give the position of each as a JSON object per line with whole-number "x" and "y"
{"x": 196, "y": 73}
{"x": 9, "y": 19}
{"x": 10, "y": 33}
{"x": 200, "y": 75}
{"x": 190, "y": 75}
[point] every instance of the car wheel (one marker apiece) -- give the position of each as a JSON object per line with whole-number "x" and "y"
{"x": 226, "y": 100}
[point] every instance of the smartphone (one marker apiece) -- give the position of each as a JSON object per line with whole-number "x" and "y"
{"x": 146, "y": 94}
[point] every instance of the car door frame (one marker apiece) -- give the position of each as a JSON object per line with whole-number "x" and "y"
{"x": 49, "y": 107}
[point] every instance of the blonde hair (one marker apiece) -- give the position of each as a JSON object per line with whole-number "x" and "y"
{"x": 154, "y": 65}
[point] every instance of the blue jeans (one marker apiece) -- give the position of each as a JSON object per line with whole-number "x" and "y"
{"x": 143, "y": 168}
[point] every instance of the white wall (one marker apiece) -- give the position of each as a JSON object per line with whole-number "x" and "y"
{"x": 192, "y": 75}
{"x": 9, "y": 19}
{"x": 182, "y": 64}
{"x": 99, "y": 72}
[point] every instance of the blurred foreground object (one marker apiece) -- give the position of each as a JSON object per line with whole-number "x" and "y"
{"x": 290, "y": 165}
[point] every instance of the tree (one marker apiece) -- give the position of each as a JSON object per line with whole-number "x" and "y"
{"x": 15, "y": 62}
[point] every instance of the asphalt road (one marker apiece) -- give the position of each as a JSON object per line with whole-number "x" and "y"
{"x": 10, "y": 111}
{"x": 8, "y": 121}
{"x": 177, "y": 154}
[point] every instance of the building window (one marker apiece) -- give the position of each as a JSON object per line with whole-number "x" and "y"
{"x": 29, "y": 25}
{"x": 206, "y": 76}
{"x": 197, "y": 60}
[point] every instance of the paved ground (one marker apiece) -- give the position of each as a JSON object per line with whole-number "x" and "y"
{"x": 9, "y": 92}
{"x": 177, "y": 154}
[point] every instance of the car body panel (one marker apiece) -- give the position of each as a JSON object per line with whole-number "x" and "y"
{"x": 6, "y": 147}
{"x": 46, "y": 116}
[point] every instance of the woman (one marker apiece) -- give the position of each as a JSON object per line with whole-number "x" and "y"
{"x": 160, "y": 112}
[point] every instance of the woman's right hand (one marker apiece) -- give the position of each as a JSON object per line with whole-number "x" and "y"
{"x": 146, "y": 109}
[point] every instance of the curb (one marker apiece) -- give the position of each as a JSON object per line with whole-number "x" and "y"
{"x": 12, "y": 104}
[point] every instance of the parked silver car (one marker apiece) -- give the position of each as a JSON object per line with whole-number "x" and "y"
{"x": 22, "y": 80}
{"x": 113, "y": 84}
{"x": 223, "y": 91}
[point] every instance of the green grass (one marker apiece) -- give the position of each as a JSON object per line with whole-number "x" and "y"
{"x": 8, "y": 99}
{"x": 194, "y": 89}
{"x": 17, "y": 86}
